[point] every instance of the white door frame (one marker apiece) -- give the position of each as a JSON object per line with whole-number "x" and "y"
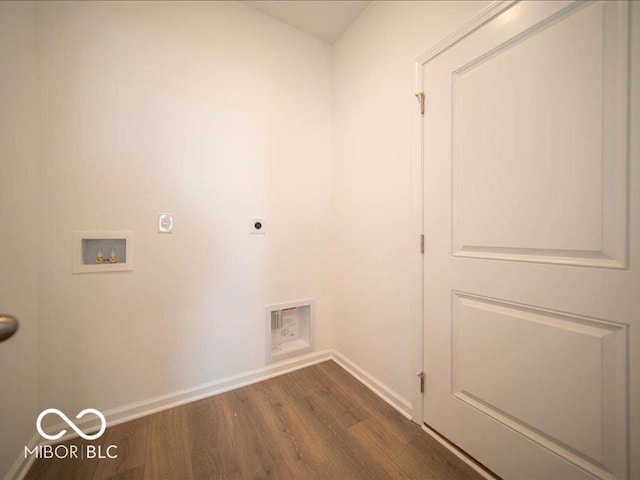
{"x": 417, "y": 194}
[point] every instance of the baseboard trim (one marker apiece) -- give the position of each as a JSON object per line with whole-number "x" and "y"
{"x": 153, "y": 405}
{"x": 398, "y": 402}
{"x": 459, "y": 453}
{"x": 157, "y": 404}
{"x": 165, "y": 402}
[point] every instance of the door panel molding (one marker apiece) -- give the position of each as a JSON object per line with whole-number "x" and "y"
{"x": 496, "y": 369}
{"x": 510, "y": 441}
{"x": 590, "y": 229}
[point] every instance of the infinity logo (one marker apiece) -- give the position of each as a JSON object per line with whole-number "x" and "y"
{"x": 103, "y": 423}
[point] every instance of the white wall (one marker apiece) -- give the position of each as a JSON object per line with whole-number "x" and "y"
{"x": 215, "y": 113}
{"x": 212, "y": 112}
{"x": 18, "y": 226}
{"x": 373, "y": 246}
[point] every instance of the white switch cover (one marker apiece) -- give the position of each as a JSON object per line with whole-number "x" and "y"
{"x": 165, "y": 223}
{"x": 258, "y": 225}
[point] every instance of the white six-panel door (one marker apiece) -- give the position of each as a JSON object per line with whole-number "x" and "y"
{"x": 531, "y": 283}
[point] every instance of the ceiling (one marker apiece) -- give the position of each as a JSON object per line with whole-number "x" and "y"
{"x": 324, "y": 19}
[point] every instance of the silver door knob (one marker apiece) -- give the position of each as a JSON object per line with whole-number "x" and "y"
{"x": 8, "y": 326}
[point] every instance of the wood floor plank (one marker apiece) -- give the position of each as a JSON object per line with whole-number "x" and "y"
{"x": 352, "y": 459}
{"x": 388, "y": 450}
{"x": 435, "y": 461}
{"x": 296, "y": 384}
{"x": 257, "y": 450}
{"x": 167, "y": 453}
{"x": 298, "y": 448}
{"x": 132, "y": 474}
{"x": 130, "y": 439}
{"x": 67, "y": 468}
{"x": 316, "y": 423}
{"x": 369, "y": 402}
{"x": 337, "y": 400}
{"x": 213, "y": 450}
{"x": 306, "y": 443}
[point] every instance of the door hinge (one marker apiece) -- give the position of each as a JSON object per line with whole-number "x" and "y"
{"x": 420, "y": 97}
{"x": 422, "y": 244}
{"x": 421, "y": 376}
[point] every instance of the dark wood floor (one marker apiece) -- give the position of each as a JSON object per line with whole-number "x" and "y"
{"x": 315, "y": 423}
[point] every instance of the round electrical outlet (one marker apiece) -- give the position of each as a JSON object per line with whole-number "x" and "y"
{"x": 258, "y": 225}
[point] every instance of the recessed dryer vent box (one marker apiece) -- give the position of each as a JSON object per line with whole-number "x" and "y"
{"x": 99, "y": 252}
{"x": 290, "y": 329}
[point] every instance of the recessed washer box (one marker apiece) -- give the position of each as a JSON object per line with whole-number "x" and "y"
{"x": 114, "y": 248}
{"x": 290, "y": 329}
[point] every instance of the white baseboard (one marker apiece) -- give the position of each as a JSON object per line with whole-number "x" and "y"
{"x": 164, "y": 402}
{"x": 143, "y": 408}
{"x": 458, "y": 453}
{"x": 398, "y": 402}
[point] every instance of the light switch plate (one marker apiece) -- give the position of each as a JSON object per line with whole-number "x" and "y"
{"x": 258, "y": 225}
{"x": 165, "y": 223}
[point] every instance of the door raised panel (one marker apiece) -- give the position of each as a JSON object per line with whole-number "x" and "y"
{"x": 556, "y": 378}
{"x": 530, "y": 361}
{"x": 541, "y": 114}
